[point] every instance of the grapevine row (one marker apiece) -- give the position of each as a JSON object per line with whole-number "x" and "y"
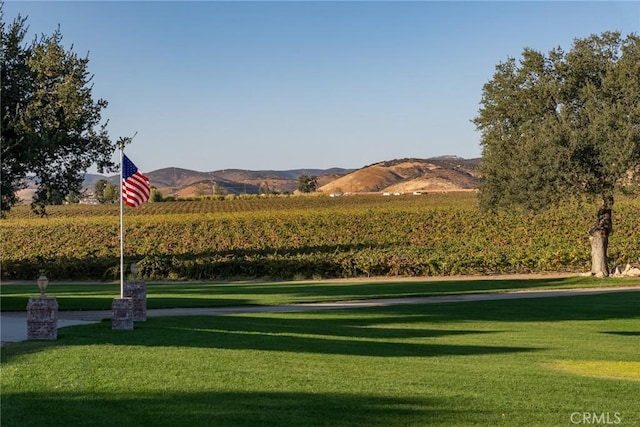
{"x": 368, "y": 237}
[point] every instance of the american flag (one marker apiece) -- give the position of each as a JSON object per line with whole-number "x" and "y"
{"x": 135, "y": 186}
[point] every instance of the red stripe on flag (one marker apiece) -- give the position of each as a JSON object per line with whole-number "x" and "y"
{"x": 136, "y": 189}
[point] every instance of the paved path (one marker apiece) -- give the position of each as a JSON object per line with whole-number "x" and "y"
{"x": 14, "y": 324}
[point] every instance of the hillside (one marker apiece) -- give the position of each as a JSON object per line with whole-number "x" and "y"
{"x": 449, "y": 173}
{"x": 409, "y": 175}
{"x": 186, "y": 183}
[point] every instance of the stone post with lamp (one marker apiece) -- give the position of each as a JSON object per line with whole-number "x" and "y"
{"x": 137, "y": 291}
{"x": 42, "y": 314}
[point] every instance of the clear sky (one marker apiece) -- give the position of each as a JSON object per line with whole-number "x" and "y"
{"x": 212, "y": 85}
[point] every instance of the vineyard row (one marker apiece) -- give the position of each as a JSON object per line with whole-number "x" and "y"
{"x": 407, "y": 236}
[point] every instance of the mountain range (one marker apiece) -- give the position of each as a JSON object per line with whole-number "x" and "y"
{"x": 446, "y": 173}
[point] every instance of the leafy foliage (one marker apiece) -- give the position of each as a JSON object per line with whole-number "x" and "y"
{"x": 307, "y": 184}
{"x": 105, "y": 192}
{"x": 562, "y": 125}
{"x": 51, "y": 126}
{"x": 306, "y": 237}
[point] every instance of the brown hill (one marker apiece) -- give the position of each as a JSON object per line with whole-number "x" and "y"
{"x": 409, "y": 175}
{"x": 185, "y": 183}
{"x": 448, "y": 173}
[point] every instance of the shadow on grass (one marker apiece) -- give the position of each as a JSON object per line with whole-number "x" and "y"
{"x": 323, "y": 291}
{"x": 394, "y": 331}
{"x": 336, "y": 333}
{"x": 100, "y": 297}
{"x": 617, "y": 305}
{"x": 217, "y": 408}
{"x": 82, "y": 297}
{"x": 624, "y": 333}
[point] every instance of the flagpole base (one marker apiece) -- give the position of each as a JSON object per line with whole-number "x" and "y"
{"x": 137, "y": 291}
{"x": 122, "y": 314}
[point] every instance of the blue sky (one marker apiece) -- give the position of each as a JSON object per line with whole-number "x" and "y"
{"x": 212, "y": 85}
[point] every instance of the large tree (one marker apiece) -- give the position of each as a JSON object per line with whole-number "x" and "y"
{"x": 562, "y": 126}
{"x": 52, "y": 130}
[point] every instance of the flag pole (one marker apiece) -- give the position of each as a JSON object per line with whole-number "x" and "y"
{"x": 121, "y": 223}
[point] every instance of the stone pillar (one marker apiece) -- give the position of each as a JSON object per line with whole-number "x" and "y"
{"x": 137, "y": 291}
{"x": 122, "y": 314}
{"x": 42, "y": 318}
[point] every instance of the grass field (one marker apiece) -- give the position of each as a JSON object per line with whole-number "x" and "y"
{"x": 530, "y": 362}
{"x": 100, "y": 296}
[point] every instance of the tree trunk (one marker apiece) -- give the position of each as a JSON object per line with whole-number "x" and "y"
{"x": 599, "y": 238}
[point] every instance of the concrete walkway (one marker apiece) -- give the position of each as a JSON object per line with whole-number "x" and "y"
{"x": 14, "y": 324}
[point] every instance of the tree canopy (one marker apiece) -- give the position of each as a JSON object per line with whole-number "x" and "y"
{"x": 564, "y": 125}
{"x": 105, "y": 192}
{"x": 52, "y": 130}
{"x": 307, "y": 184}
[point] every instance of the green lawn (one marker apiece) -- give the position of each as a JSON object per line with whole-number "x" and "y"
{"x": 100, "y": 296}
{"x": 530, "y": 362}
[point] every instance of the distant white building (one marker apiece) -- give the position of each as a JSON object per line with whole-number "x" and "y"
{"x": 89, "y": 201}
